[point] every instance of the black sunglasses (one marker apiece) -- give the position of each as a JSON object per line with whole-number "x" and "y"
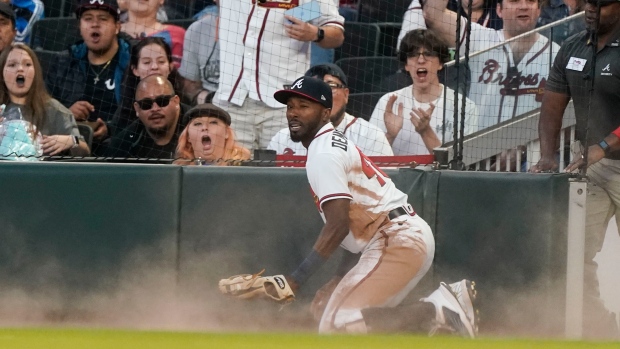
{"x": 147, "y": 103}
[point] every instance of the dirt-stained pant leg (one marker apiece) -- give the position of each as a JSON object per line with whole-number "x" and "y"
{"x": 603, "y": 202}
{"x": 389, "y": 268}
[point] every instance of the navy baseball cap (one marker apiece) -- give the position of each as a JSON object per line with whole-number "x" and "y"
{"x": 307, "y": 87}
{"x": 207, "y": 109}
{"x": 7, "y": 11}
{"x": 328, "y": 68}
{"x": 106, "y": 5}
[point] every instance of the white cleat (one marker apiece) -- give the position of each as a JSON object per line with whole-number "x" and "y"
{"x": 450, "y": 314}
{"x": 465, "y": 292}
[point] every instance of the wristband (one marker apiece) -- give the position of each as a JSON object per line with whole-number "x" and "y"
{"x": 309, "y": 266}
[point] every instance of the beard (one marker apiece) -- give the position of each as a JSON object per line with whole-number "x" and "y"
{"x": 336, "y": 118}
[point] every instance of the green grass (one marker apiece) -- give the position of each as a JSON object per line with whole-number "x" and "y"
{"x": 121, "y": 339}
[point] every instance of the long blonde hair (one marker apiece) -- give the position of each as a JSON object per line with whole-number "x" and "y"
{"x": 234, "y": 153}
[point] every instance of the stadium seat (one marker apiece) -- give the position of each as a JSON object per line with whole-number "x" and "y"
{"x": 364, "y": 74}
{"x": 46, "y": 58}
{"x": 361, "y": 105}
{"x": 373, "y": 11}
{"x": 388, "y": 39}
{"x": 360, "y": 40}
{"x": 55, "y": 34}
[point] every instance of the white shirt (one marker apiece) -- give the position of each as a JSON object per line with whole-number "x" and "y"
{"x": 337, "y": 169}
{"x": 257, "y": 58}
{"x": 413, "y": 19}
{"x": 369, "y": 138}
{"x": 408, "y": 141}
{"x": 489, "y": 71}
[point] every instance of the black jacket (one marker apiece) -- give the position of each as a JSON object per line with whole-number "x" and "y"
{"x": 135, "y": 142}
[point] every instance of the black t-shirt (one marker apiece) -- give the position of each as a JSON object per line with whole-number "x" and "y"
{"x": 99, "y": 90}
{"x": 571, "y": 75}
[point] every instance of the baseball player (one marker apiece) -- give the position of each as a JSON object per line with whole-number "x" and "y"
{"x": 369, "y": 138}
{"x": 507, "y": 81}
{"x": 365, "y": 214}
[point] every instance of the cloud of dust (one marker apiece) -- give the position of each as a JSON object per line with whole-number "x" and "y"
{"x": 145, "y": 293}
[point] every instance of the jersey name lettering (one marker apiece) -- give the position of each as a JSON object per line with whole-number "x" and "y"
{"x": 339, "y": 140}
{"x": 491, "y": 67}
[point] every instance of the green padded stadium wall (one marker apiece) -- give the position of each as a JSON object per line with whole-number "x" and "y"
{"x": 77, "y": 229}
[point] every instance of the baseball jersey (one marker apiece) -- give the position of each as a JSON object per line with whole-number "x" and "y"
{"x": 502, "y": 88}
{"x": 337, "y": 169}
{"x": 369, "y": 138}
{"x": 257, "y": 58}
{"x": 408, "y": 141}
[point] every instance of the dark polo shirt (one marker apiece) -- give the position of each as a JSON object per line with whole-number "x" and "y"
{"x": 570, "y": 75}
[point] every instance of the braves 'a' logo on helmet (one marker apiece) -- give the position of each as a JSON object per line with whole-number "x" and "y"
{"x": 100, "y": 2}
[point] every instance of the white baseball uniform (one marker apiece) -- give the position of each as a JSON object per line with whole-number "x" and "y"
{"x": 502, "y": 88}
{"x": 257, "y": 58}
{"x": 395, "y": 253}
{"x": 369, "y": 138}
{"x": 408, "y": 141}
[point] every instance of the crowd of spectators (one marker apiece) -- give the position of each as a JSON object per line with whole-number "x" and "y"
{"x": 237, "y": 55}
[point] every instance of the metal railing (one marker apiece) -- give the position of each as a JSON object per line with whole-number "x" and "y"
{"x": 516, "y": 139}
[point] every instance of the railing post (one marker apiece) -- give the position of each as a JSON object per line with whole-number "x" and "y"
{"x": 575, "y": 258}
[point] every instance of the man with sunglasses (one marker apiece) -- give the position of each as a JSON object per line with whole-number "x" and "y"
{"x": 369, "y": 138}
{"x": 156, "y": 132}
{"x": 507, "y": 81}
{"x": 591, "y": 81}
{"x": 413, "y": 118}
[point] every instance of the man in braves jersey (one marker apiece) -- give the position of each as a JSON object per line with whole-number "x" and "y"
{"x": 507, "y": 81}
{"x": 366, "y": 214}
{"x": 262, "y": 50}
{"x": 369, "y": 138}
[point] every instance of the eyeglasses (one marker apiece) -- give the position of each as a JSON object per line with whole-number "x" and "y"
{"x": 334, "y": 85}
{"x": 147, "y": 103}
{"x": 426, "y": 54}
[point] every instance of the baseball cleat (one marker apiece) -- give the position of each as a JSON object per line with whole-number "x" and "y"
{"x": 465, "y": 292}
{"x": 450, "y": 316}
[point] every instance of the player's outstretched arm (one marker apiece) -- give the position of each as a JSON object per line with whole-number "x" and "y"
{"x": 333, "y": 233}
{"x": 441, "y": 20}
{"x": 549, "y": 126}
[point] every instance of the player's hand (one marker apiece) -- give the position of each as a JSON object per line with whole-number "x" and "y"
{"x": 421, "y": 119}
{"x": 595, "y": 154}
{"x": 300, "y": 30}
{"x": 393, "y": 122}
{"x": 56, "y": 144}
{"x": 545, "y": 164}
{"x": 81, "y": 110}
{"x": 317, "y": 307}
{"x": 101, "y": 130}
